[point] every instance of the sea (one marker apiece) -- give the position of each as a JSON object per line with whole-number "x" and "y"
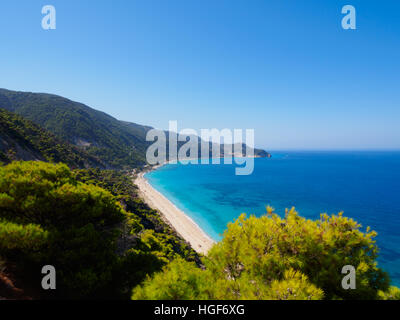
{"x": 364, "y": 185}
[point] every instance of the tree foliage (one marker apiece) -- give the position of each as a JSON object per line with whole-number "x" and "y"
{"x": 25, "y": 238}
{"x": 23, "y": 140}
{"x": 101, "y": 135}
{"x": 118, "y": 144}
{"x": 95, "y": 238}
{"x": 38, "y": 199}
{"x": 180, "y": 280}
{"x": 393, "y": 293}
{"x": 278, "y": 258}
{"x": 103, "y": 240}
{"x": 155, "y": 235}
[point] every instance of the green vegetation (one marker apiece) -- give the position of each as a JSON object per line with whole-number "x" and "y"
{"x": 119, "y": 144}
{"x": 392, "y": 294}
{"x": 99, "y": 248}
{"x": 156, "y": 234}
{"x": 104, "y": 240}
{"x": 21, "y": 139}
{"x": 274, "y": 258}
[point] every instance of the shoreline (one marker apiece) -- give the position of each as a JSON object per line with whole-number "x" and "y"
{"x": 177, "y": 219}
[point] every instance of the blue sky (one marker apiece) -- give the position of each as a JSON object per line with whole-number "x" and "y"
{"x": 285, "y": 68}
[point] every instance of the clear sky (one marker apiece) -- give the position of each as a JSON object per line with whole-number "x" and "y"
{"x": 285, "y": 68}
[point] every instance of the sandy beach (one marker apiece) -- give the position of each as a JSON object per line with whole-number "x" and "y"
{"x": 183, "y": 225}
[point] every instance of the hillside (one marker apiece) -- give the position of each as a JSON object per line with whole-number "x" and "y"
{"x": 21, "y": 139}
{"x": 100, "y": 134}
{"x": 89, "y": 223}
{"x": 120, "y": 144}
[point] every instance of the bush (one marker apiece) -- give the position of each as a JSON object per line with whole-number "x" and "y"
{"x": 59, "y": 221}
{"x": 392, "y": 294}
{"x": 180, "y": 280}
{"x": 279, "y": 258}
{"x": 26, "y": 238}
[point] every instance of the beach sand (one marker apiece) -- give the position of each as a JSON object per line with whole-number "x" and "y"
{"x": 182, "y": 224}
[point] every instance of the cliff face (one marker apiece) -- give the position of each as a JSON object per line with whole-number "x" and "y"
{"x": 21, "y": 139}
{"x": 15, "y": 149}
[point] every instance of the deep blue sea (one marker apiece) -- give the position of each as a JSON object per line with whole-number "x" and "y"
{"x": 365, "y": 185}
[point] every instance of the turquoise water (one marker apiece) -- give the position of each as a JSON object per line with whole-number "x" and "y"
{"x": 365, "y": 185}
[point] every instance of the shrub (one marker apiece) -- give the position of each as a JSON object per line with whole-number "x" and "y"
{"x": 279, "y": 258}
{"x": 59, "y": 221}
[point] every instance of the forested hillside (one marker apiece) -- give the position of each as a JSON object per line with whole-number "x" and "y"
{"x": 89, "y": 224}
{"x": 21, "y": 139}
{"x": 119, "y": 144}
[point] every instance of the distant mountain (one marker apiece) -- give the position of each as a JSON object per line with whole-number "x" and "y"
{"x": 21, "y": 139}
{"x": 117, "y": 143}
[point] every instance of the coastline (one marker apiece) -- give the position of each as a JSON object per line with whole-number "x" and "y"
{"x": 178, "y": 220}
